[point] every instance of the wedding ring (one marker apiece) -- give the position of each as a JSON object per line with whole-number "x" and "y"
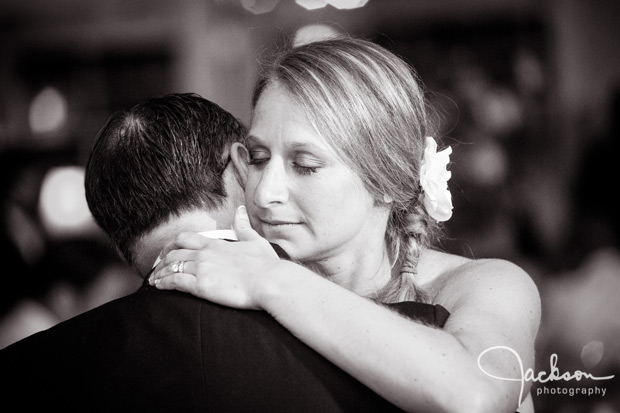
{"x": 178, "y": 266}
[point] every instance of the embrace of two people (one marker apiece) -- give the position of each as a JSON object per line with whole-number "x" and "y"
{"x": 336, "y": 195}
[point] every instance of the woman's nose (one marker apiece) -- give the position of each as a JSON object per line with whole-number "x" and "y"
{"x": 272, "y": 187}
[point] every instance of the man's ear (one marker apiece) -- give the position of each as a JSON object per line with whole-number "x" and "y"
{"x": 240, "y": 158}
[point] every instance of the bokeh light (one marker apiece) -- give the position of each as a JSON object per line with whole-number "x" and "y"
{"x": 48, "y": 112}
{"x": 347, "y": 4}
{"x": 259, "y": 6}
{"x": 312, "y": 4}
{"x": 62, "y": 203}
{"x": 488, "y": 164}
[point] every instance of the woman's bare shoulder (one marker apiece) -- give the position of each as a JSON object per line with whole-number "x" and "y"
{"x": 490, "y": 298}
{"x": 454, "y": 280}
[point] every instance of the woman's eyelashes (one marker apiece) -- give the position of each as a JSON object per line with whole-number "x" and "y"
{"x": 258, "y": 158}
{"x": 304, "y": 170}
{"x": 301, "y": 164}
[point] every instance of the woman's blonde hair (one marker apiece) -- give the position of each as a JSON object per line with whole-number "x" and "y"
{"x": 369, "y": 105}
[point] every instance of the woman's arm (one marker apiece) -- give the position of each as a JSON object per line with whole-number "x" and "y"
{"x": 414, "y": 366}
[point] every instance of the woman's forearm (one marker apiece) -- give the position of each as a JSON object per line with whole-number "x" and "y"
{"x": 411, "y": 365}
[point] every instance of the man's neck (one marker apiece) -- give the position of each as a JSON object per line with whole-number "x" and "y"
{"x": 149, "y": 246}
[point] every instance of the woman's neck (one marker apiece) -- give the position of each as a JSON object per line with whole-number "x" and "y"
{"x": 365, "y": 271}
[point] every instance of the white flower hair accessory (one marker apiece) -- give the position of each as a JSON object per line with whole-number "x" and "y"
{"x": 434, "y": 178}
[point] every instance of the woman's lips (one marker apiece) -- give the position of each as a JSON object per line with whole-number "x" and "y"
{"x": 276, "y": 223}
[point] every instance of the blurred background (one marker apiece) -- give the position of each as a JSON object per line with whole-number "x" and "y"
{"x": 528, "y": 93}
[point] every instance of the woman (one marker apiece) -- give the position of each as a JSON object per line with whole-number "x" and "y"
{"x": 339, "y": 172}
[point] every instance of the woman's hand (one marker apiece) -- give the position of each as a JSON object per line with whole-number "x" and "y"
{"x": 233, "y": 274}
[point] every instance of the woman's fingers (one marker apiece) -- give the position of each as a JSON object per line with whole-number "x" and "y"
{"x": 242, "y": 226}
{"x": 176, "y": 261}
{"x": 185, "y": 240}
{"x": 177, "y": 281}
{"x": 207, "y": 282}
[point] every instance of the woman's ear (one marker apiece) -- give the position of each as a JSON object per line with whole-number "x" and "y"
{"x": 240, "y": 158}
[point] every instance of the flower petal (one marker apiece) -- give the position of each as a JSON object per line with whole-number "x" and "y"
{"x": 434, "y": 178}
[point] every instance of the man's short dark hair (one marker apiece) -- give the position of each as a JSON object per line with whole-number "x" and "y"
{"x": 160, "y": 158}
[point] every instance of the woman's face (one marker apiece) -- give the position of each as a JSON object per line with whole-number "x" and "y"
{"x": 298, "y": 193}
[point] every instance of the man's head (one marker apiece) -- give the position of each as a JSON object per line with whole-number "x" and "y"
{"x": 163, "y": 167}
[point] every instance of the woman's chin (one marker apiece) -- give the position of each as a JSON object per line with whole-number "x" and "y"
{"x": 291, "y": 248}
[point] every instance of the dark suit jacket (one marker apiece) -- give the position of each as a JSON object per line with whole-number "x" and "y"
{"x": 163, "y": 351}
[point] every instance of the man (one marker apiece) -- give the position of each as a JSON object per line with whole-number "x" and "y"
{"x": 159, "y": 169}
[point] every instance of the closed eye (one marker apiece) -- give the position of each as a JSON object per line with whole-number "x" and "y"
{"x": 304, "y": 170}
{"x": 258, "y": 158}
{"x": 306, "y": 164}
